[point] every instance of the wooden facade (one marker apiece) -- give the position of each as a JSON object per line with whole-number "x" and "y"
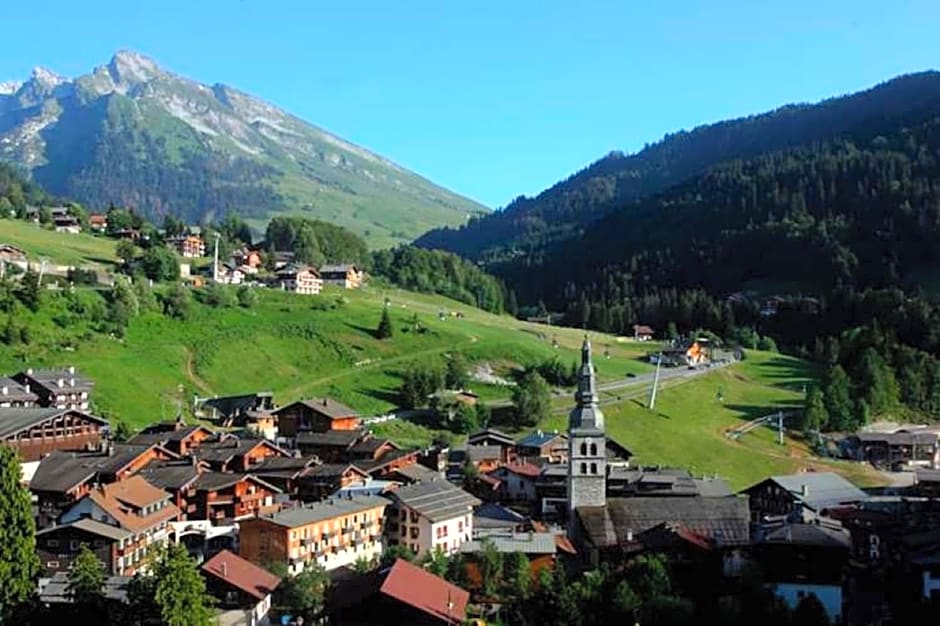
{"x": 320, "y": 416}
{"x": 55, "y": 430}
{"x": 58, "y": 547}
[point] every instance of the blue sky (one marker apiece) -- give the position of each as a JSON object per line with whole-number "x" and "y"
{"x": 494, "y": 99}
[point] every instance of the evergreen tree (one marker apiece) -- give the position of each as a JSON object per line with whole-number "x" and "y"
{"x": 839, "y": 404}
{"x": 246, "y": 297}
{"x": 180, "y": 590}
{"x": 385, "y": 329}
{"x": 531, "y": 399}
{"x": 814, "y": 416}
{"x": 18, "y": 561}
{"x": 395, "y": 552}
{"x": 86, "y": 578}
{"x": 877, "y": 382}
{"x": 490, "y": 561}
{"x": 28, "y": 291}
{"x": 455, "y": 374}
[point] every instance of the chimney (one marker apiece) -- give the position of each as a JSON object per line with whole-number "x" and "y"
{"x": 72, "y": 369}
{"x": 4, "y": 390}
{"x": 60, "y": 382}
{"x": 26, "y": 386}
{"x": 71, "y": 382}
{"x": 29, "y": 371}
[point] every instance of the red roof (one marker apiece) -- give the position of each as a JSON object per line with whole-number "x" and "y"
{"x": 525, "y": 469}
{"x": 242, "y": 574}
{"x": 426, "y": 592}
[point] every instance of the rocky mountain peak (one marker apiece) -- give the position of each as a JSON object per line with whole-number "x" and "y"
{"x": 45, "y": 77}
{"x": 131, "y": 67}
{"x": 10, "y": 87}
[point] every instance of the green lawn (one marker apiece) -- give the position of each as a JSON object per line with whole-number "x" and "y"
{"x": 687, "y": 427}
{"x": 64, "y": 249}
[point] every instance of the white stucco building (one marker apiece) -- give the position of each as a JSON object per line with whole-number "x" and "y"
{"x": 431, "y": 515}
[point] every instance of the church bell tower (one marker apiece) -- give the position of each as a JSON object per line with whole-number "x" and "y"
{"x": 587, "y": 457}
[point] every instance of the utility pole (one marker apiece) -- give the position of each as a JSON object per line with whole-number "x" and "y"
{"x": 659, "y": 364}
{"x": 215, "y": 265}
{"x": 42, "y": 270}
{"x": 780, "y": 427}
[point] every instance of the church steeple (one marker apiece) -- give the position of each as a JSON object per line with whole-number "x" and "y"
{"x": 586, "y": 413}
{"x": 587, "y": 454}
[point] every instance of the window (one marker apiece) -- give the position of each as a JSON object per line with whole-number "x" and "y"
{"x": 460, "y": 526}
{"x": 584, "y": 468}
{"x": 593, "y": 449}
{"x": 52, "y": 543}
{"x": 593, "y": 468}
{"x": 583, "y": 449}
{"x": 52, "y": 564}
{"x": 73, "y": 544}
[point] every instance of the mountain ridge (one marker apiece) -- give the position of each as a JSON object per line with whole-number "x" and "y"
{"x": 131, "y": 132}
{"x": 528, "y": 224}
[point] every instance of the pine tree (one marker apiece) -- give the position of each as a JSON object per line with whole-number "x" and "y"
{"x": 180, "y": 590}
{"x": 18, "y": 561}
{"x": 814, "y": 415}
{"x": 531, "y": 400}
{"x": 28, "y": 290}
{"x": 385, "y": 329}
{"x": 86, "y": 579}
{"x": 838, "y": 399}
{"x": 517, "y": 573}
{"x": 455, "y": 374}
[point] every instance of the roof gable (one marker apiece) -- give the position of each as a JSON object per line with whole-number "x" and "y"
{"x": 436, "y": 500}
{"x": 425, "y": 592}
{"x": 241, "y": 574}
{"x": 17, "y": 420}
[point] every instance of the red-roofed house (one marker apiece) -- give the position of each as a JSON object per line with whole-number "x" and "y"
{"x": 406, "y": 594}
{"x": 240, "y": 584}
{"x": 517, "y": 481}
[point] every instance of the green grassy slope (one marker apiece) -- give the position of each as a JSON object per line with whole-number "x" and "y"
{"x": 294, "y": 346}
{"x": 81, "y": 249}
{"x": 687, "y": 427}
{"x": 306, "y": 346}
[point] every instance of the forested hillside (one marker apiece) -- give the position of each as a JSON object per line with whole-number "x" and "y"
{"x": 527, "y": 225}
{"x": 845, "y": 231}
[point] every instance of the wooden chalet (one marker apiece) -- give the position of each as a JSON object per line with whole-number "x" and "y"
{"x": 65, "y": 477}
{"x": 223, "y": 498}
{"x": 320, "y": 481}
{"x": 229, "y": 453}
{"x": 346, "y": 275}
{"x": 174, "y": 436}
{"x": 34, "y": 432}
{"x": 794, "y": 493}
{"x": 240, "y": 585}
{"x": 177, "y": 478}
{"x": 14, "y": 394}
{"x": 551, "y": 446}
{"x": 284, "y": 473}
{"x": 315, "y": 415}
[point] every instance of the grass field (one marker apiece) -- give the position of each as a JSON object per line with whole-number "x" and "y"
{"x": 294, "y": 346}
{"x": 687, "y": 427}
{"x": 59, "y": 248}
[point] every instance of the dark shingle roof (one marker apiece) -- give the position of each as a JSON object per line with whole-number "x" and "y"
{"x": 726, "y": 521}
{"x": 56, "y": 589}
{"x": 438, "y": 500}
{"x": 93, "y": 527}
{"x": 171, "y": 475}
{"x": 329, "y": 471}
{"x": 61, "y": 470}
{"x": 325, "y": 406}
{"x": 14, "y": 420}
{"x": 15, "y": 391}
{"x": 338, "y": 438}
{"x": 419, "y": 473}
{"x": 50, "y": 378}
{"x": 280, "y": 464}
{"x": 483, "y": 453}
{"x": 823, "y": 489}
{"x": 537, "y": 439}
{"x": 488, "y": 434}
{"x": 492, "y": 515}
{"x": 822, "y": 535}
{"x": 371, "y": 444}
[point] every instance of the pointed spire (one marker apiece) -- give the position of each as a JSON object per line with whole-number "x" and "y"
{"x": 586, "y": 413}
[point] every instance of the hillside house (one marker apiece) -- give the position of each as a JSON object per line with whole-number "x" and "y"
{"x": 346, "y": 275}
{"x": 551, "y": 446}
{"x": 904, "y": 447}
{"x": 16, "y": 395}
{"x": 284, "y": 473}
{"x": 333, "y": 533}
{"x": 132, "y": 505}
{"x": 794, "y": 493}
{"x": 12, "y": 254}
{"x": 58, "y": 546}
{"x": 176, "y": 437}
{"x": 299, "y": 279}
{"x": 59, "y": 388}
{"x": 229, "y": 410}
{"x": 62, "y": 478}
{"x": 229, "y": 453}
{"x": 248, "y": 258}
{"x": 320, "y": 481}
{"x": 316, "y": 414}
{"x": 799, "y": 559}
{"x": 642, "y": 332}
{"x": 428, "y": 516}
{"x": 402, "y": 594}
{"x": 491, "y": 437}
{"x": 65, "y": 223}
{"x": 239, "y": 584}
{"x": 98, "y": 222}
{"x": 177, "y": 478}
{"x": 224, "y": 498}
{"x": 188, "y": 246}
{"x": 517, "y": 482}
{"x": 34, "y": 432}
